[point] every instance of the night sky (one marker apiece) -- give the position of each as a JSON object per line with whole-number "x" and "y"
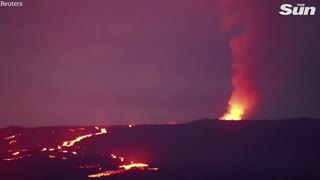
{"x": 142, "y": 61}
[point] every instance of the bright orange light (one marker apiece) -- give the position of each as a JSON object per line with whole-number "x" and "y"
{"x": 9, "y": 137}
{"x": 17, "y": 158}
{"x": 13, "y": 142}
{"x": 244, "y": 48}
{"x": 51, "y": 156}
{"x": 116, "y": 157}
{"x": 125, "y": 168}
{"x": 102, "y": 131}
{"x": 113, "y": 156}
{"x": 133, "y": 165}
{"x": 80, "y": 138}
{"x": 16, "y": 153}
{"x": 106, "y": 173}
{"x": 235, "y": 112}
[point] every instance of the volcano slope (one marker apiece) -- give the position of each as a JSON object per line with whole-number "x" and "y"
{"x": 202, "y": 149}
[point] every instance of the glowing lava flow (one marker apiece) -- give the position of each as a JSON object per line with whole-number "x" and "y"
{"x": 17, "y": 158}
{"x": 123, "y": 169}
{"x": 78, "y": 139}
{"x": 134, "y": 165}
{"x": 9, "y": 137}
{"x": 66, "y": 148}
{"x": 66, "y": 144}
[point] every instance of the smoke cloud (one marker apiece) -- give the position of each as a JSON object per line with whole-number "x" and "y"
{"x": 267, "y": 51}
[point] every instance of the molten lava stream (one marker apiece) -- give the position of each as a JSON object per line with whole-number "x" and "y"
{"x": 123, "y": 169}
{"x": 62, "y": 150}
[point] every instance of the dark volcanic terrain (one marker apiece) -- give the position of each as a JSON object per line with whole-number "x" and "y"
{"x": 203, "y": 149}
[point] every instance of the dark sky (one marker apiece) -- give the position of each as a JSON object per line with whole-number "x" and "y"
{"x": 123, "y": 61}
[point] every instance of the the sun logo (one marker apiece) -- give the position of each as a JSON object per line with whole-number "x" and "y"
{"x": 299, "y": 10}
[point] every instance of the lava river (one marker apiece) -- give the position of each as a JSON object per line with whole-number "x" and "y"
{"x": 70, "y": 148}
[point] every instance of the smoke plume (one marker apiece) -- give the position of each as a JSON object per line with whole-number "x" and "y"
{"x": 246, "y": 18}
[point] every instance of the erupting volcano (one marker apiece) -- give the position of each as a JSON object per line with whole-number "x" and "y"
{"x": 235, "y": 112}
{"x": 243, "y": 47}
